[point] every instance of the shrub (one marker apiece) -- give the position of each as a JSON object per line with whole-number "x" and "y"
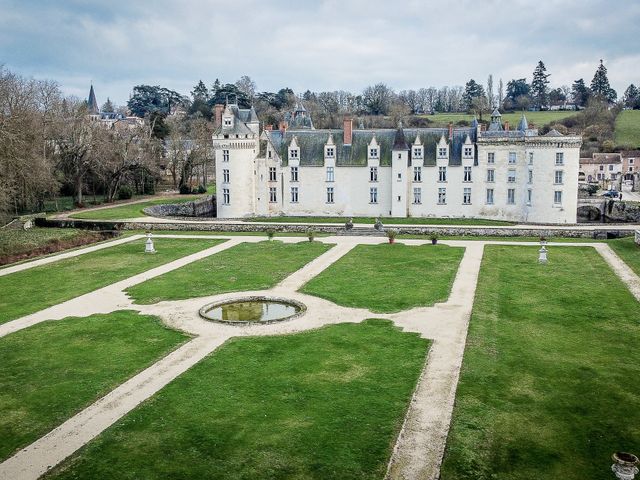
{"x": 202, "y": 189}
{"x": 125, "y": 192}
{"x": 434, "y": 238}
{"x": 311, "y": 235}
{"x": 271, "y": 233}
{"x": 391, "y": 234}
{"x": 185, "y": 189}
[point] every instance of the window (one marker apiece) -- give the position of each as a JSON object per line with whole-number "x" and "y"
{"x": 294, "y": 194}
{"x": 294, "y": 174}
{"x": 559, "y": 158}
{"x": 417, "y": 174}
{"x": 269, "y": 154}
{"x": 442, "y": 196}
{"x": 442, "y": 152}
{"x": 631, "y": 169}
{"x": 557, "y": 197}
{"x": 630, "y": 161}
{"x": 272, "y": 174}
{"x": 293, "y": 153}
{"x": 417, "y": 152}
{"x": 511, "y": 176}
{"x": 226, "y": 197}
{"x": 511, "y": 196}
{"x": 330, "y": 152}
{"x": 399, "y": 176}
{"x": 225, "y": 176}
{"x": 466, "y": 196}
{"x": 529, "y": 196}
{"x": 227, "y": 121}
{"x": 491, "y": 175}
{"x": 373, "y": 195}
{"x": 442, "y": 174}
{"x": 417, "y": 195}
{"x": 491, "y": 157}
{"x": 329, "y": 194}
{"x": 611, "y": 168}
{"x": 558, "y": 177}
{"x": 512, "y": 158}
{"x": 225, "y": 155}
{"x": 489, "y": 196}
{"x": 272, "y": 194}
{"x": 468, "y": 151}
{"x": 467, "y": 174}
{"x": 601, "y": 168}
{"x": 530, "y": 158}
{"x": 530, "y": 178}
{"x": 330, "y": 176}
{"x": 373, "y": 174}
{"x": 373, "y": 152}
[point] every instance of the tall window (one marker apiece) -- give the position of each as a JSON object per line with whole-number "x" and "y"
{"x": 294, "y": 174}
{"x": 529, "y": 196}
{"x": 442, "y": 174}
{"x": 417, "y": 195}
{"x": 467, "y": 174}
{"x": 530, "y": 158}
{"x": 530, "y": 179}
{"x": 466, "y": 196}
{"x": 272, "y": 174}
{"x": 558, "y": 177}
{"x": 511, "y": 176}
{"x": 293, "y": 153}
{"x": 272, "y": 194}
{"x": 511, "y": 196}
{"x": 512, "y": 158}
{"x": 329, "y": 194}
{"x": 330, "y": 152}
{"x": 442, "y": 196}
{"x": 226, "y": 197}
{"x": 557, "y": 197}
{"x": 373, "y": 174}
{"x": 225, "y": 175}
{"x": 489, "y": 196}
{"x": 268, "y": 153}
{"x": 373, "y": 195}
{"x": 491, "y": 157}
{"x": 417, "y": 174}
{"x": 330, "y": 175}
{"x": 491, "y": 175}
{"x": 559, "y": 158}
{"x": 373, "y": 152}
{"x": 294, "y": 194}
{"x": 225, "y": 155}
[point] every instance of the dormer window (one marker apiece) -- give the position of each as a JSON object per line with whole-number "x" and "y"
{"x": 417, "y": 152}
{"x": 468, "y": 151}
{"x": 330, "y": 152}
{"x": 227, "y": 121}
{"x": 442, "y": 152}
{"x": 293, "y": 153}
{"x": 373, "y": 152}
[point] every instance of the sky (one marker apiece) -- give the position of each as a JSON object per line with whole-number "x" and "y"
{"x": 317, "y": 45}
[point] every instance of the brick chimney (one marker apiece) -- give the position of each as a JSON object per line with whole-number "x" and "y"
{"x": 347, "y": 126}
{"x": 218, "y": 109}
{"x": 482, "y": 127}
{"x": 506, "y": 126}
{"x": 282, "y": 126}
{"x": 450, "y": 130}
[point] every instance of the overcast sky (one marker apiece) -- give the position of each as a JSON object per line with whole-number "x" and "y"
{"x": 316, "y": 45}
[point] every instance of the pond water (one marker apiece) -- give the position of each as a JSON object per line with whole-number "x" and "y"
{"x": 251, "y": 311}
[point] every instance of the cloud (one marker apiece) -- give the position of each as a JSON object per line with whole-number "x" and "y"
{"x": 322, "y": 45}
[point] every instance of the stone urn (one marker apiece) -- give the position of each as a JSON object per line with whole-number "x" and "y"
{"x": 625, "y": 465}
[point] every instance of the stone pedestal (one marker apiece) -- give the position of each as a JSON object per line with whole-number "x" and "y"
{"x": 148, "y": 247}
{"x": 542, "y": 255}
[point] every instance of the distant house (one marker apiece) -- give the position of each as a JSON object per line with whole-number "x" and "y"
{"x": 601, "y": 167}
{"x": 109, "y": 119}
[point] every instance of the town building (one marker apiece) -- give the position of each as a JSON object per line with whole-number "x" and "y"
{"x": 296, "y": 170}
{"x": 631, "y": 166}
{"x": 602, "y": 168}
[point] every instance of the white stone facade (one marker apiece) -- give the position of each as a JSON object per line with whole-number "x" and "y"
{"x": 396, "y": 173}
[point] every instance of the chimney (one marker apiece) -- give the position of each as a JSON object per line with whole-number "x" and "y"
{"x": 218, "y": 109}
{"x": 450, "y": 130}
{"x": 506, "y": 126}
{"x": 482, "y": 127}
{"x": 347, "y": 126}
{"x": 268, "y": 127}
{"x": 282, "y": 126}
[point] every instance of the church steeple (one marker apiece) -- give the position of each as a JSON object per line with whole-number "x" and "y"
{"x": 92, "y": 102}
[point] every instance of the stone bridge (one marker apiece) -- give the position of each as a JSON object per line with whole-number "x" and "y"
{"x": 607, "y": 210}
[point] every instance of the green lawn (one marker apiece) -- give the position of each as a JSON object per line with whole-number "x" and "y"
{"x": 389, "y": 278}
{"x": 548, "y": 387}
{"x": 37, "y": 288}
{"x": 19, "y": 241}
{"x": 325, "y": 404}
{"x": 54, "y": 369}
{"x": 247, "y": 266}
{"x": 385, "y": 220}
{"x": 628, "y": 251}
{"x": 539, "y": 119}
{"x": 134, "y": 210}
{"x": 628, "y": 128}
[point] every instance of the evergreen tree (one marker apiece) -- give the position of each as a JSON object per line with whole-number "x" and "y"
{"x": 108, "y": 106}
{"x": 540, "y": 85}
{"x": 600, "y": 85}
{"x": 472, "y": 90}
{"x": 200, "y": 92}
{"x": 580, "y": 93}
{"x": 632, "y": 97}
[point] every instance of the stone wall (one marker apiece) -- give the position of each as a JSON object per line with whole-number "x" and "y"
{"x": 204, "y": 207}
{"x": 628, "y": 212}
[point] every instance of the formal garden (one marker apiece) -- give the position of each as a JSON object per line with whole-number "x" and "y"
{"x": 546, "y": 385}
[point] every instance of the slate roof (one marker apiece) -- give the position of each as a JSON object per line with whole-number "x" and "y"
{"x": 311, "y": 143}
{"x": 239, "y": 127}
{"x": 601, "y": 158}
{"x": 93, "y": 103}
{"x": 523, "y": 125}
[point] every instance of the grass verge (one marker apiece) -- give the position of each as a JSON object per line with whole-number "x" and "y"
{"x": 388, "y": 278}
{"x": 132, "y": 210}
{"x": 54, "y": 369}
{"x": 385, "y": 220}
{"x": 547, "y": 388}
{"x": 329, "y": 408}
{"x": 247, "y": 266}
{"x": 628, "y": 251}
{"x": 627, "y": 129}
